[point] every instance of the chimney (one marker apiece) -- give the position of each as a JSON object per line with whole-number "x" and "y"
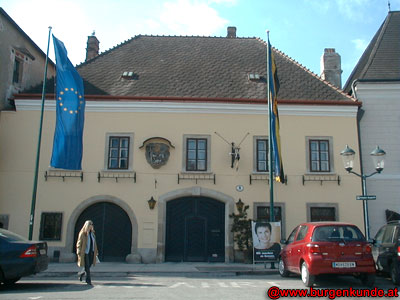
{"x": 331, "y": 69}
{"x": 92, "y": 49}
{"x": 231, "y": 32}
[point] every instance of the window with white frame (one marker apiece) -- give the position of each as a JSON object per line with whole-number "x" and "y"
{"x": 196, "y": 151}
{"x": 261, "y": 154}
{"x": 319, "y": 154}
{"x": 119, "y": 151}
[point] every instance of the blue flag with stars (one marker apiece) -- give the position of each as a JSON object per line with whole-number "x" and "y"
{"x": 70, "y": 103}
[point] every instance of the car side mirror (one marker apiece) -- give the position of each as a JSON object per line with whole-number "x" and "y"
{"x": 371, "y": 241}
{"x": 283, "y": 241}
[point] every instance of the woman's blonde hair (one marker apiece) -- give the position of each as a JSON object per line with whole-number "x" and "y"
{"x": 86, "y": 226}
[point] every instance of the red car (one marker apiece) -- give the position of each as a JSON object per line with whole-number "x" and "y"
{"x": 316, "y": 248}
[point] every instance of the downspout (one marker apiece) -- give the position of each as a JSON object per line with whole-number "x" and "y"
{"x": 360, "y": 114}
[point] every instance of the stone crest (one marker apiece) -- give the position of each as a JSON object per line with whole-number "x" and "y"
{"x": 157, "y": 151}
{"x": 157, "y": 154}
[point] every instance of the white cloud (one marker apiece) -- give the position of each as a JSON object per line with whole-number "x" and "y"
{"x": 360, "y": 44}
{"x": 185, "y": 17}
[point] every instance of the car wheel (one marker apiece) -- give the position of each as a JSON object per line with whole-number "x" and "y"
{"x": 394, "y": 273}
{"x": 368, "y": 279}
{"x": 11, "y": 281}
{"x": 307, "y": 279}
{"x": 282, "y": 268}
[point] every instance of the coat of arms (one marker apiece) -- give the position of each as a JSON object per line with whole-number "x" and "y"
{"x": 157, "y": 154}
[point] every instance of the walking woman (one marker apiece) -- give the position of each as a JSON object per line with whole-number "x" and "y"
{"x": 86, "y": 249}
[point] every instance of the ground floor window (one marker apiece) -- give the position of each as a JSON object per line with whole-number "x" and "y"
{"x": 322, "y": 213}
{"x": 50, "y": 226}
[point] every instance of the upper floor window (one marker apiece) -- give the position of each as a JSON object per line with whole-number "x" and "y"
{"x": 17, "y": 72}
{"x": 118, "y": 154}
{"x": 196, "y": 153}
{"x": 319, "y": 154}
{"x": 261, "y": 154}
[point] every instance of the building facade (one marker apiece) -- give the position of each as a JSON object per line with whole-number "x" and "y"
{"x": 161, "y": 116}
{"x": 375, "y": 81}
{"x": 22, "y": 61}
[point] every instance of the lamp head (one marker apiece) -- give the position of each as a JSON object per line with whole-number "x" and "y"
{"x": 378, "y": 158}
{"x": 348, "y": 158}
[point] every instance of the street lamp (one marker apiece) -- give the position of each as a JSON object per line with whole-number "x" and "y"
{"x": 378, "y": 158}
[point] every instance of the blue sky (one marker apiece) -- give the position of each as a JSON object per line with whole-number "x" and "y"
{"x": 299, "y": 28}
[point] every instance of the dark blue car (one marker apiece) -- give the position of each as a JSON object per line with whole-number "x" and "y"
{"x": 20, "y": 257}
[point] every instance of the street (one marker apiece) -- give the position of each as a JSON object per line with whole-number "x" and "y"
{"x": 152, "y": 286}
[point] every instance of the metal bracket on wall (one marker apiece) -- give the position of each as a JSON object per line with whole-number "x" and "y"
{"x": 196, "y": 177}
{"x": 321, "y": 178}
{"x": 63, "y": 174}
{"x": 116, "y": 175}
{"x": 265, "y": 177}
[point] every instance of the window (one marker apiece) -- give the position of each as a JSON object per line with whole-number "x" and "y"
{"x": 17, "y": 72}
{"x": 389, "y": 234}
{"x": 302, "y": 233}
{"x": 263, "y": 213}
{"x": 320, "y": 213}
{"x": 118, "y": 153}
{"x": 319, "y": 154}
{"x": 261, "y": 154}
{"x": 50, "y": 226}
{"x": 196, "y": 153}
{"x": 292, "y": 235}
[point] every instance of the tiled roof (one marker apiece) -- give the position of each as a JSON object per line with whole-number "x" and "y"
{"x": 381, "y": 59}
{"x": 200, "y": 67}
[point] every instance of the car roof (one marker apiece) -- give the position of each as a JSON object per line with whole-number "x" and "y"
{"x": 326, "y": 223}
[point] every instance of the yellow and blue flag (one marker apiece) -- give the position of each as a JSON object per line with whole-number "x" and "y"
{"x": 70, "y": 103}
{"x": 273, "y": 89}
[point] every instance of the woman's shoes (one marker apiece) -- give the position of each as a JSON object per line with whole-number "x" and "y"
{"x": 81, "y": 276}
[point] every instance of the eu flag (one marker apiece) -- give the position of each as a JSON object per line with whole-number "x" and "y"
{"x": 70, "y": 103}
{"x": 273, "y": 89}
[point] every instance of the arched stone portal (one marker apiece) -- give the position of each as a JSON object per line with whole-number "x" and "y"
{"x": 195, "y": 192}
{"x": 115, "y": 204}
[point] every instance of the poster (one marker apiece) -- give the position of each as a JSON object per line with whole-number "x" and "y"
{"x": 266, "y": 238}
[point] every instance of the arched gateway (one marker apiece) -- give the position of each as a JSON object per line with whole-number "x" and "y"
{"x": 195, "y": 230}
{"x": 113, "y": 230}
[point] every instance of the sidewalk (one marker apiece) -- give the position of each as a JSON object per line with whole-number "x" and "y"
{"x": 180, "y": 268}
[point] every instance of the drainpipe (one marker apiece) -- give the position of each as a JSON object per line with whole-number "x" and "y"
{"x": 360, "y": 114}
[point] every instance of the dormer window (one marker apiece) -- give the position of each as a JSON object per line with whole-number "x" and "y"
{"x": 129, "y": 75}
{"x": 254, "y": 77}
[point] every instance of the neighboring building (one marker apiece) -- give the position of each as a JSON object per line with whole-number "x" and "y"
{"x": 22, "y": 61}
{"x": 375, "y": 81}
{"x": 161, "y": 114}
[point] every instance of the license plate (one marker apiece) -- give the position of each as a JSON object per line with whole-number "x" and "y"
{"x": 342, "y": 264}
{"x": 42, "y": 251}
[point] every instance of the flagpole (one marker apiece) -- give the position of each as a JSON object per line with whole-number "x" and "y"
{"x": 271, "y": 178}
{"x": 35, "y": 180}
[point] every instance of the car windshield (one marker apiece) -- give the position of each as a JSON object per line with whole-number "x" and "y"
{"x": 10, "y": 236}
{"x": 333, "y": 233}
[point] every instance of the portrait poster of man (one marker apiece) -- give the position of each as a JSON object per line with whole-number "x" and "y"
{"x": 266, "y": 237}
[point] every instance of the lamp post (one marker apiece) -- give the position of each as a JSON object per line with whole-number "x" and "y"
{"x": 378, "y": 158}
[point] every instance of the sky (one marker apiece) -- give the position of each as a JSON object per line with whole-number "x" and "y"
{"x": 301, "y": 29}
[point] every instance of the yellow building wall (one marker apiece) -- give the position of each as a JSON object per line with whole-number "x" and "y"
{"x": 18, "y": 142}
